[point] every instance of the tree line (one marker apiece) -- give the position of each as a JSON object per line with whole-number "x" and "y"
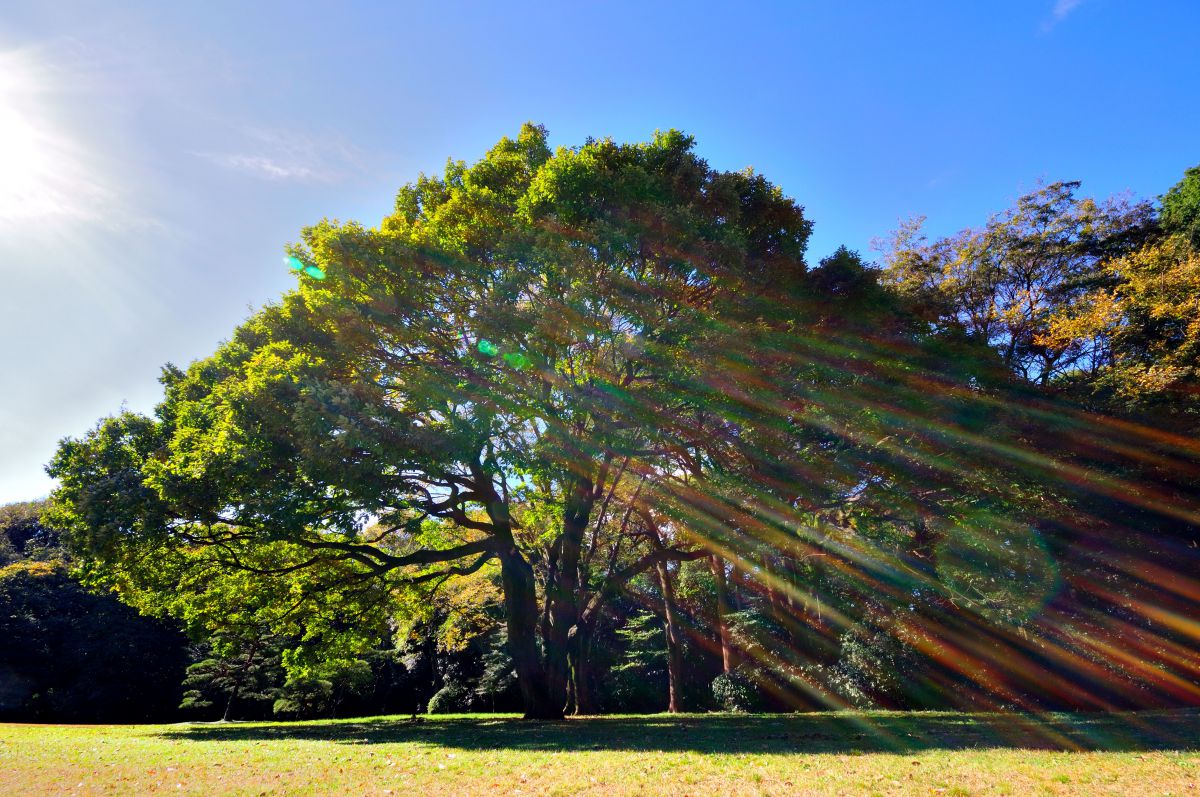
{"x": 582, "y": 430}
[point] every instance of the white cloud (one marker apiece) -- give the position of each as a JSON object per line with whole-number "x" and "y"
{"x": 1064, "y": 7}
{"x": 259, "y": 166}
{"x": 278, "y": 156}
{"x": 1062, "y": 10}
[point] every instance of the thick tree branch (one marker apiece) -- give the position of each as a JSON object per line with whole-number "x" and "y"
{"x": 381, "y": 561}
{"x": 640, "y": 566}
{"x": 464, "y": 570}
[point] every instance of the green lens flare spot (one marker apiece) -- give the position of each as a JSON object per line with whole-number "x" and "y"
{"x": 487, "y": 348}
{"x": 294, "y": 263}
{"x": 517, "y": 360}
{"x": 314, "y": 272}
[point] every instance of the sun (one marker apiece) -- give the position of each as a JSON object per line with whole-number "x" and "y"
{"x": 25, "y": 164}
{"x": 42, "y": 177}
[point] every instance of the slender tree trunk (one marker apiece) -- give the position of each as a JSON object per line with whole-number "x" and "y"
{"x": 781, "y": 603}
{"x": 717, "y": 565}
{"x": 787, "y": 564}
{"x": 674, "y": 652}
{"x": 769, "y": 577}
{"x": 580, "y": 671}
{"x": 571, "y": 706}
{"x": 244, "y": 673}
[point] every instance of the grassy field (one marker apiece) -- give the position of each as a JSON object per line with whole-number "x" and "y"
{"x": 866, "y": 753}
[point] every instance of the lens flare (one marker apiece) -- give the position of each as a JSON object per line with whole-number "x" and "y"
{"x": 517, "y": 360}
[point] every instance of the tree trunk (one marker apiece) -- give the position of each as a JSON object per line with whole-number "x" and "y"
{"x": 520, "y": 603}
{"x": 717, "y": 565}
{"x": 787, "y": 564}
{"x": 580, "y": 672}
{"x": 521, "y": 608}
{"x": 243, "y": 673}
{"x": 770, "y": 579}
{"x": 562, "y": 589}
{"x": 674, "y": 653}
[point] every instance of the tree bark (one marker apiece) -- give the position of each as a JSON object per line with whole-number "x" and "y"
{"x": 237, "y": 682}
{"x": 562, "y": 588}
{"x": 717, "y": 565}
{"x": 768, "y": 582}
{"x": 520, "y": 603}
{"x": 580, "y": 672}
{"x": 674, "y": 652}
{"x": 520, "y": 607}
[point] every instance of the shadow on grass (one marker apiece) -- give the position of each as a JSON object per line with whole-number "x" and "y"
{"x": 848, "y": 732}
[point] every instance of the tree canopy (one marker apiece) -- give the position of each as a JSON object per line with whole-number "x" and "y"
{"x": 467, "y": 381}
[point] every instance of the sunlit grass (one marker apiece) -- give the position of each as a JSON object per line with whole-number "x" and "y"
{"x": 1150, "y": 753}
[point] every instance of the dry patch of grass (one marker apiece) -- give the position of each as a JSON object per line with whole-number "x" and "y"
{"x": 844, "y": 753}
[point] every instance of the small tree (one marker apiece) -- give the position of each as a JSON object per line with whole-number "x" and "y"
{"x": 639, "y": 679}
{"x": 323, "y": 691}
{"x": 242, "y": 670}
{"x": 498, "y": 679}
{"x": 23, "y": 535}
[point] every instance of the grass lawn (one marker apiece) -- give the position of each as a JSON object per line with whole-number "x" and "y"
{"x": 1143, "y": 754}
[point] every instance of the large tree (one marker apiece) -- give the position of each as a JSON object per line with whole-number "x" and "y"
{"x": 1003, "y": 283}
{"x": 1092, "y": 305}
{"x": 460, "y": 386}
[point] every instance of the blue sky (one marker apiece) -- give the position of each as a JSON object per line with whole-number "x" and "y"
{"x": 156, "y": 157}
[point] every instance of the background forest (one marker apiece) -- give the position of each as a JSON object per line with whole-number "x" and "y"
{"x": 583, "y": 431}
